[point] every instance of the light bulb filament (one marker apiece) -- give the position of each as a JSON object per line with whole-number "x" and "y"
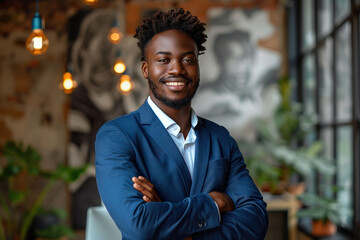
{"x": 115, "y": 35}
{"x": 68, "y": 84}
{"x": 125, "y": 84}
{"x": 119, "y": 67}
{"x": 37, "y": 42}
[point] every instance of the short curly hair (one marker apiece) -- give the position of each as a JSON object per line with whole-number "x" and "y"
{"x": 178, "y": 19}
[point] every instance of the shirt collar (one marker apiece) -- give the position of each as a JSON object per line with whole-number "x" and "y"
{"x": 166, "y": 120}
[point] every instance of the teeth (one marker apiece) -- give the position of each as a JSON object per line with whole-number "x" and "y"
{"x": 175, "y": 83}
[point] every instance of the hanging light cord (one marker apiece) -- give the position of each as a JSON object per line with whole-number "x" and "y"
{"x": 37, "y": 5}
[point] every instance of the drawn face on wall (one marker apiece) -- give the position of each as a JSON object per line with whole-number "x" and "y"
{"x": 234, "y": 54}
{"x": 98, "y": 61}
{"x": 93, "y": 55}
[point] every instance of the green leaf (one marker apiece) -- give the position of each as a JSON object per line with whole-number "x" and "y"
{"x": 9, "y": 171}
{"x": 55, "y": 231}
{"x": 314, "y": 213}
{"x": 68, "y": 174}
{"x": 314, "y": 149}
{"x": 61, "y": 213}
{"x": 323, "y": 208}
{"x": 16, "y": 197}
{"x": 20, "y": 157}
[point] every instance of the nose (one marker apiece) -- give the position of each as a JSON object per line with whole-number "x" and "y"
{"x": 176, "y": 68}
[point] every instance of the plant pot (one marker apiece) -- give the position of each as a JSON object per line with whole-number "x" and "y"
{"x": 40, "y": 222}
{"x": 322, "y": 229}
{"x": 296, "y": 188}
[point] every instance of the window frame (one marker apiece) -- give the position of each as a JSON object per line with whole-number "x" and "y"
{"x": 295, "y": 57}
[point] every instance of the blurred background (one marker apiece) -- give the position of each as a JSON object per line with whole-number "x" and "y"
{"x": 281, "y": 75}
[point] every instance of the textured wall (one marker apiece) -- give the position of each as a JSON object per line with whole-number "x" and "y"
{"x": 32, "y": 107}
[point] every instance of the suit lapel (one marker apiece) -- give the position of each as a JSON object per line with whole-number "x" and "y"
{"x": 202, "y": 154}
{"x": 159, "y": 134}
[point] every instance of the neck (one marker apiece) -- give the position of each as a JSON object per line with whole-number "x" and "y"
{"x": 181, "y": 116}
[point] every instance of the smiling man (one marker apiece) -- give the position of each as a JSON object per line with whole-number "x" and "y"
{"x": 162, "y": 171}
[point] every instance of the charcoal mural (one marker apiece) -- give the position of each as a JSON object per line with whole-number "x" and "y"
{"x": 238, "y": 76}
{"x": 97, "y": 98}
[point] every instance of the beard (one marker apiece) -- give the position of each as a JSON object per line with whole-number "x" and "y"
{"x": 177, "y": 104}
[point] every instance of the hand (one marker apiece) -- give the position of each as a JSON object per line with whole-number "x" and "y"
{"x": 223, "y": 201}
{"x": 146, "y": 188}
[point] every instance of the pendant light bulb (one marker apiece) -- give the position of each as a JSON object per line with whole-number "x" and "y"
{"x": 115, "y": 35}
{"x": 119, "y": 66}
{"x": 37, "y": 43}
{"x": 125, "y": 85}
{"x": 90, "y": 2}
{"x": 68, "y": 83}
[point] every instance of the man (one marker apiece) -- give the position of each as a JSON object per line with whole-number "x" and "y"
{"x": 163, "y": 172}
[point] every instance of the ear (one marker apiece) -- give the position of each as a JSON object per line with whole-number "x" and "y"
{"x": 145, "y": 69}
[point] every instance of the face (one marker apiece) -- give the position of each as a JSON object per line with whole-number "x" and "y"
{"x": 237, "y": 65}
{"x": 234, "y": 54}
{"x": 171, "y": 67}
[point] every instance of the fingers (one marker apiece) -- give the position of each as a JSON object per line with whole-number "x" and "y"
{"x": 148, "y": 195}
{"x": 146, "y": 188}
{"x": 143, "y": 182}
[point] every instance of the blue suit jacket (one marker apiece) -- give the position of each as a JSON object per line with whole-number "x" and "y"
{"x": 138, "y": 144}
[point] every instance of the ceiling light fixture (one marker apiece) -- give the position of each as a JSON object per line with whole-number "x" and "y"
{"x": 115, "y": 35}
{"x": 37, "y": 43}
{"x": 90, "y": 2}
{"x": 125, "y": 85}
{"x": 68, "y": 84}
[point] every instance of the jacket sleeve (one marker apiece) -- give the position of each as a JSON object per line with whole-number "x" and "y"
{"x": 115, "y": 166}
{"x": 249, "y": 220}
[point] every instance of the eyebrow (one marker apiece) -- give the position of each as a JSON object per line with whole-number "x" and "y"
{"x": 169, "y": 53}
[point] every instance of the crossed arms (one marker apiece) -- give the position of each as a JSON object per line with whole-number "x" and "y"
{"x": 143, "y": 185}
{"x": 140, "y": 214}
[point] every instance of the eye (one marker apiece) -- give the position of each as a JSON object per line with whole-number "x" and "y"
{"x": 163, "y": 60}
{"x": 189, "y": 60}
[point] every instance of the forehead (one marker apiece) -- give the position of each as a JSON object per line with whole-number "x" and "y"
{"x": 171, "y": 41}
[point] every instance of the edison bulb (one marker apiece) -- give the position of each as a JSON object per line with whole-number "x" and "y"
{"x": 68, "y": 84}
{"x": 37, "y": 43}
{"x": 90, "y": 2}
{"x": 125, "y": 84}
{"x": 119, "y": 66}
{"x": 115, "y": 35}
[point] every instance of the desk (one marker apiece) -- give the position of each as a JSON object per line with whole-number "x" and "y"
{"x": 285, "y": 202}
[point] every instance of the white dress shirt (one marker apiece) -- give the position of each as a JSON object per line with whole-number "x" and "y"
{"x": 185, "y": 146}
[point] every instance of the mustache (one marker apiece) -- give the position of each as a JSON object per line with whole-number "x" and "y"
{"x": 163, "y": 79}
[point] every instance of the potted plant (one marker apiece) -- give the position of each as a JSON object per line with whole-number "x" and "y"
{"x": 48, "y": 225}
{"x": 275, "y": 154}
{"x": 325, "y": 213}
{"x": 20, "y": 203}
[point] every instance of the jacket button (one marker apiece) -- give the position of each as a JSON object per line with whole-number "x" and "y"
{"x": 201, "y": 224}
